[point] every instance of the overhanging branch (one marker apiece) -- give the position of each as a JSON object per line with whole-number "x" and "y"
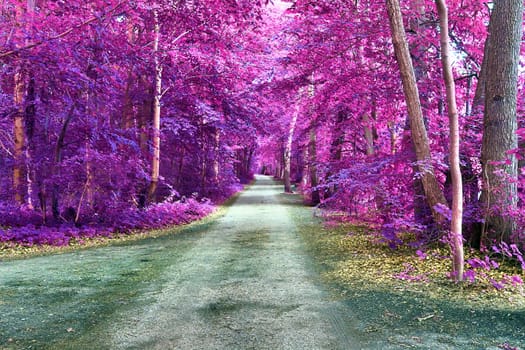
{"x": 61, "y": 35}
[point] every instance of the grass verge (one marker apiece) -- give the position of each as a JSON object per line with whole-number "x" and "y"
{"x": 11, "y": 251}
{"x": 406, "y": 299}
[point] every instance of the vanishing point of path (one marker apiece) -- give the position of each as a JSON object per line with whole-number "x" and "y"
{"x": 243, "y": 281}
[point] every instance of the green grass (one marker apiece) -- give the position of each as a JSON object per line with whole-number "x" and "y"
{"x": 73, "y": 304}
{"x": 71, "y": 307}
{"x": 361, "y": 273}
{"x": 11, "y": 251}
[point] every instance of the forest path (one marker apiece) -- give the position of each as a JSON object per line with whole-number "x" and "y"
{"x": 246, "y": 284}
{"x": 243, "y": 281}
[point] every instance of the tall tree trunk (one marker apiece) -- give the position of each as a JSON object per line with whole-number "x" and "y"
{"x": 370, "y": 130}
{"x": 216, "y": 162}
{"x": 456, "y": 235}
{"x": 479, "y": 95}
{"x": 418, "y": 50}
{"x": 393, "y": 137}
{"x": 128, "y": 117}
{"x": 59, "y": 147}
{"x": 278, "y": 165}
{"x": 30, "y": 118}
{"x": 20, "y": 175}
{"x": 155, "y": 160}
{"x": 287, "y": 157}
{"x": 312, "y": 147}
{"x": 127, "y": 107}
{"x": 434, "y": 194}
{"x": 338, "y": 138}
{"x": 87, "y": 184}
{"x": 499, "y": 195}
{"x": 312, "y": 164}
{"x": 19, "y": 136}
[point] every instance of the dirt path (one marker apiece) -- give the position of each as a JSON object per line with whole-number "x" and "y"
{"x": 246, "y": 284}
{"x": 241, "y": 282}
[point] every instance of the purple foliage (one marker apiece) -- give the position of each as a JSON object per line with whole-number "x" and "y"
{"x": 470, "y": 276}
{"x": 154, "y": 217}
{"x": 422, "y": 255}
{"x": 478, "y": 265}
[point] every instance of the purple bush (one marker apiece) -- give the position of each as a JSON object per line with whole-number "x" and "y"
{"x": 124, "y": 221}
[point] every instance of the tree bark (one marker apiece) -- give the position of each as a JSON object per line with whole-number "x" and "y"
{"x": 155, "y": 160}
{"x": 312, "y": 164}
{"x": 312, "y": 147}
{"x": 288, "y": 151}
{"x": 456, "y": 235}
{"x": 479, "y": 95}
{"x": 393, "y": 137}
{"x": 59, "y": 147}
{"x": 20, "y": 82}
{"x": 30, "y": 118}
{"x": 370, "y": 131}
{"x": 434, "y": 194}
{"x": 499, "y": 168}
{"x": 418, "y": 50}
{"x": 127, "y": 107}
{"x": 338, "y": 136}
{"x": 216, "y": 149}
{"x": 128, "y": 118}
{"x": 19, "y": 136}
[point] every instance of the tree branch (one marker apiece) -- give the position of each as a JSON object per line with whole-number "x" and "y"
{"x": 61, "y": 35}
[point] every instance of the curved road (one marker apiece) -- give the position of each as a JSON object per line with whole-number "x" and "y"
{"x": 243, "y": 281}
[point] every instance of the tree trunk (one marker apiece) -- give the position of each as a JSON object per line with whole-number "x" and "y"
{"x": 288, "y": 152}
{"x": 312, "y": 164}
{"x": 127, "y": 107}
{"x": 128, "y": 117}
{"x": 422, "y": 210}
{"x": 20, "y": 175}
{"x": 499, "y": 168}
{"x": 370, "y": 132}
{"x": 19, "y": 136}
{"x": 456, "y": 236}
{"x": 479, "y": 95}
{"x": 155, "y": 160}
{"x": 216, "y": 162}
{"x": 287, "y": 156}
{"x": 338, "y": 138}
{"x": 312, "y": 147}
{"x": 59, "y": 147}
{"x": 29, "y": 119}
{"x": 86, "y": 191}
{"x": 434, "y": 194}
{"x": 393, "y": 137}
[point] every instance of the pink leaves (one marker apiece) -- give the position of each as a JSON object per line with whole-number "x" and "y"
{"x": 480, "y": 267}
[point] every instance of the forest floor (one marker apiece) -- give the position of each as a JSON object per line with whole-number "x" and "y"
{"x": 257, "y": 277}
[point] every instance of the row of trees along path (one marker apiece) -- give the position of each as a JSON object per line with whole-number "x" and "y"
{"x": 123, "y": 115}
